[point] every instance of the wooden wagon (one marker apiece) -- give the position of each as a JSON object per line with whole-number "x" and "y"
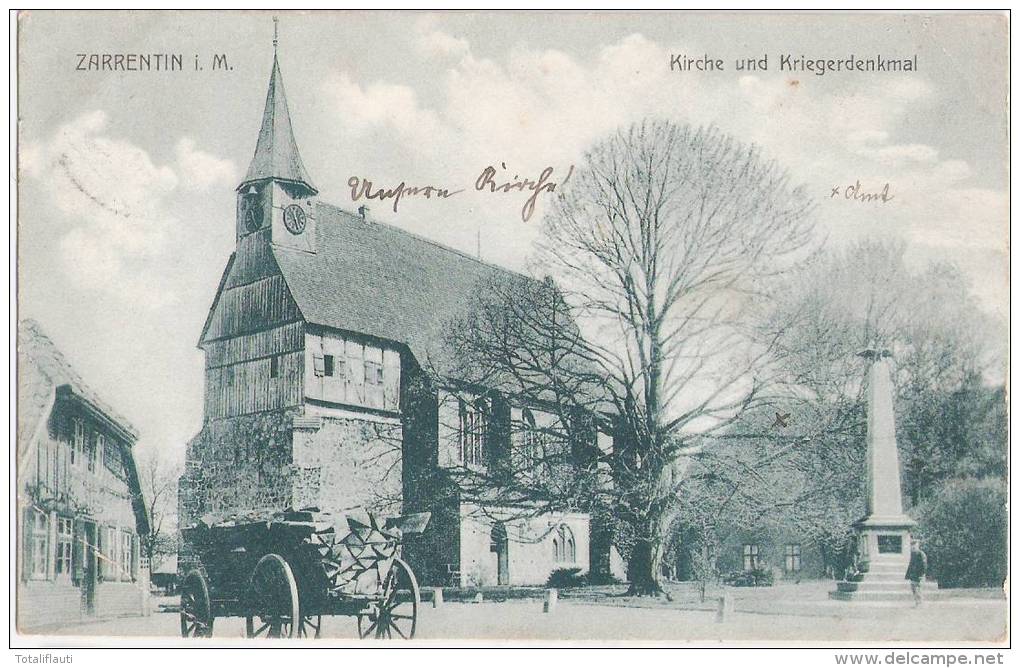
{"x": 284, "y": 574}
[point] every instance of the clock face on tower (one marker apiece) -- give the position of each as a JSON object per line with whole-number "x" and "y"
{"x": 294, "y": 219}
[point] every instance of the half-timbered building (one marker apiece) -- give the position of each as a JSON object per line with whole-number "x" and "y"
{"x": 80, "y": 506}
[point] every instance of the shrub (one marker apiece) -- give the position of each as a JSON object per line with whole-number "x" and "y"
{"x": 596, "y": 579}
{"x": 759, "y": 577}
{"x": 963, "y": 530}
{"x": 564, "y": 578}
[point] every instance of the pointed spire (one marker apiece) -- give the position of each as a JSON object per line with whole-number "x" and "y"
{"x": 276, "y": 154}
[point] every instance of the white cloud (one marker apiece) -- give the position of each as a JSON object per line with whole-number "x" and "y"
{"x": 118, "y": 204}
{"x": 435, "y": 43}
{"x": 202, "y": 171}
{"x": 537, "y": 107}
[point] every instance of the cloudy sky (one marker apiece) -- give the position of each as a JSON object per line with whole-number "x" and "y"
{"x": 126, "y": 179}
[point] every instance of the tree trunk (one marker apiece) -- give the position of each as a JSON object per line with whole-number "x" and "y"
{"x": 645, "y": 568}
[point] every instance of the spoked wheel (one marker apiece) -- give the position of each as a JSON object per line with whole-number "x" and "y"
{"x": 196, "y": 612}
{"x": 395, "y": 615}
{"x": 311, "y": 626}
{"x": 274, "y": 600}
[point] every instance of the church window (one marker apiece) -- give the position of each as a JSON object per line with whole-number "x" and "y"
{"x": 474, "y": 423}
{"x": 564, "y": 548}
{"x": 531, "y": 441}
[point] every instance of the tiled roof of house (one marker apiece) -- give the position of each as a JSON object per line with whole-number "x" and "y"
{"x": 379, "y": 280}
{"x": 41, "y": 369}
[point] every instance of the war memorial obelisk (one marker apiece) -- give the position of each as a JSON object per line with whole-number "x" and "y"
{"x": 884, "y": 533}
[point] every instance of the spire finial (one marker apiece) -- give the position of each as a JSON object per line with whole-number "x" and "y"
{"x": 276, "y": 40}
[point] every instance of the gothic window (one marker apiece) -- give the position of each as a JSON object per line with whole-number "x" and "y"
{"x": 531, "y": 441}
{"x": 474, "y": 422}
{"x": 792, "y": 558}
{"x": 751, "y": 558}
{"x": 564, "y": 547}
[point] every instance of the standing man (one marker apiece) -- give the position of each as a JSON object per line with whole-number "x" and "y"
{"x": 916, "y": 570}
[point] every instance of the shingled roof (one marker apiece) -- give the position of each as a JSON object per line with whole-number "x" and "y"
{"x": 379, "y": 280}
{"x": 276, "y": 153}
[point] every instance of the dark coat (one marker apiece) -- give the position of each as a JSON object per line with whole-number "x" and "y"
{"x": 918, "y": 566}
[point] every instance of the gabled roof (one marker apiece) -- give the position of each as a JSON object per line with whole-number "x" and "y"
{"x": 43, "y": 374}
{"x": 276, "y": 153}
{"x": 379, "y": 280}
{"x": 42, "y": 369}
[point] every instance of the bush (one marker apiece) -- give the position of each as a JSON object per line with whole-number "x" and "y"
{"x": 596, "y": 579}
{"x": 759, "y": 577}
{"x": 963, "y": 530}
{"x": 565, "y": 578}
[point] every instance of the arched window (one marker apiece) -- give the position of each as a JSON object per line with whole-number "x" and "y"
{"x": 564, "y": 547}
{"x": 531, "y": 441}
{"x": 474, "y": 423}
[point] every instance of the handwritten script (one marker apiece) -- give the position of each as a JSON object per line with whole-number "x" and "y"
{"x": 856, "y": 193}
{"x": 491, "y": 180}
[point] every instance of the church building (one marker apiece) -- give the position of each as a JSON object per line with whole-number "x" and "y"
{"x": 321, "y": 347}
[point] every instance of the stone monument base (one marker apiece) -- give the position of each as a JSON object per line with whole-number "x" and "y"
{"x": 884, "y": 549}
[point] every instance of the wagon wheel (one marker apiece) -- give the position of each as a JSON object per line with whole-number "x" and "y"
{"x": 274, "y": 600}
{"x": 396, "y": 612}
{"x": 196, "y": 612}
{"x": 311, "y": 626}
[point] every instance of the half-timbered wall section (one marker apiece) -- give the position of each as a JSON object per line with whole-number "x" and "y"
{"x": 254, "y": 339}
{"x": 343, "y": 370}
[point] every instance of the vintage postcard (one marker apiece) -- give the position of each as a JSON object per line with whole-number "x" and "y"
{"x": 348, "y": 327}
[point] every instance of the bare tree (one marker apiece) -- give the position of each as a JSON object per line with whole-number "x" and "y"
{"x": 861, "y": 296}
{"x": 158, "y": 477}
{"x": 664, "y": 254}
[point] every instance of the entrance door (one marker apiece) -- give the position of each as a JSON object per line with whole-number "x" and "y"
{"x": 499, "y": 544}
{"x": 86, "y": 540}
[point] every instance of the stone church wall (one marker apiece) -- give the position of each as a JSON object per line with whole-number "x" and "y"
{"x": 348, "y": 465}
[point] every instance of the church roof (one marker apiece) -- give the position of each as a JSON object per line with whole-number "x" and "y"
{"x": 276, "y": 153}
{"x": 379, "y": 280}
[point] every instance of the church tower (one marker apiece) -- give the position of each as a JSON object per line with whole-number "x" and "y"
{"x": 275, "y": 201}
